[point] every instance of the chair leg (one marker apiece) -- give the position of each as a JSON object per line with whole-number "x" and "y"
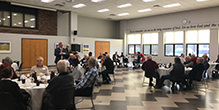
{"x": 92, "y": 103}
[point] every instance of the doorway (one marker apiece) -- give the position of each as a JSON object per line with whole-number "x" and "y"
{"x": 101, "y": 46}
{"x": 31, "y": 49}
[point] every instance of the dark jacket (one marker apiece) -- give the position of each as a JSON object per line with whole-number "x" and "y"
{"x": 196, "y": 72}
{"x": 206, "y": 65}
{"x": 150, "y": 65}
{"x": 109, "y": 64}
{"x": 114, "y": 57}
{"x": 62, "y": 82}
{"x": 14, "y": 75}
{"x": 57, "y": 54}
{"x": 14, "y": 89}
{"x": 177, "y": 73}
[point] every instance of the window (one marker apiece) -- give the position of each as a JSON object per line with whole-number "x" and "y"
{"x": 17, "y": 16}
{"x": 173, "y": 49}
{"x": 5, "y": 18}
{"x": 150, "y": 43}
{"x": 197, "y": 49}
{"x": 173, "y": 43}
{"x": 134, "y": 43}
{"x": 17, "y": 19}
{"x": 197, "y": 42}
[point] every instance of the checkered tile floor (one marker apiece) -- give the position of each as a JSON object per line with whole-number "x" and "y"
{"x": 128, "y": 93}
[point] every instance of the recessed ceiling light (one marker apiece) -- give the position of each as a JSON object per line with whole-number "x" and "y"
{"x": 3, "y": 19}
{"x": 47, "y": 1}
{"x": 15, "y": 14}
{"x": 32, "y": 19}
{"x": 79, "y": 5}
{"x": 148, "y": 0}
{"x": 123, "y": 14}
{"x": 172, "y": 5}
{"x": 32, "y": 26}
{"x": 19, "y": 22}
{"x": 0, "y": 20}
{"x": 15, "y": 24}
{"x": 97, "y": 0}
{"x": 125, "y": 5}
{"x": 103, "y": 10}
{"x": 201, "y": 0}
{"x": 26, "y": 21}
{"x": 8, "y": 17}
{"x": 145, "y": 10}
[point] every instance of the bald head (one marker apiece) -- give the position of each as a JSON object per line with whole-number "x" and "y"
{"x": 40, "y": 61}
{"x": 62, "y": 66}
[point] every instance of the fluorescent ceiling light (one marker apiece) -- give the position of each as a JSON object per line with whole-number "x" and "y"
{"x": 123, "y": 14}
{"x": 32, "y": 19}
{"x": 47, "y": 1}
{"x": 32, "y": 26}
{"x": 201, "y": 0}
{"x": 125, "y": 5}
{"x": 15, "y": 24}
{"x": 145, "y": 10}
{"x": 8, "y": 17}
{"x": 79, "y": 5}
{"x": 103, "y": 10}
{"x": 15, "y": 14}
{"x": 172, "y": 5}
{"x": 25, "y": 21}
{"x": 19, "y": 22}
{"x": 3, "y": 19}
{"x": 148, "y": 0}
{"x": 97, "y": 0}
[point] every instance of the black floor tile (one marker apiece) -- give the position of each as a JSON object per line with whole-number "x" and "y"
{"x": 105, "y": 92}
{"x": 118, "y": 89}
{"x": 118, "y": 105}
{"x": 102, "y": 107}
{"x": 134, "y": 101}
{"x": 147, "y": 97}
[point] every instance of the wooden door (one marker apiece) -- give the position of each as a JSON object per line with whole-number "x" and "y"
{"x": 101, "y": 47}
{"x": 31, "y": 49}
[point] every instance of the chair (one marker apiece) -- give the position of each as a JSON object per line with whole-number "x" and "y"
{"x": 7, "y": 101}
{"x": 62, "y": 99}
{"x": 215, "y": 72}
{"x": 201, "y": 82}
{"x": 86, "y": 92}
{"x": 113, "y": 73}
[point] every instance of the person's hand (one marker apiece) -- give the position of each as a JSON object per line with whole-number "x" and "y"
{"x": 62, "y": 53}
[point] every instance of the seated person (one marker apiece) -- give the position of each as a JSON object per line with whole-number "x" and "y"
{"x": 116, "y": 58}
{"x": 193, "y": 59}
{"x": 125, "y": 60}
{"x": 188, "y": 62}
{"x": 142, "y": 57}
{"x": 196, "y": 72}
{"x": 205, "y": 62}
{"x": 108, "y": 63}
{"x": 62, "y": 83}
{"x": 6, "y": 85}
{"x": 71, "y": 56}
{"x": 100, "y": 56}
{"x": 150, "y": 67}
{"x": 39, "y": 67}
{"x": 84, "y": 60}
{"x": 76, "y": 73}
{"x": 217, "y": 61}
{"x": 7, "y": 62}
{"x": 176, "y": 74}
{"x": 138, "y": 60}
{"x": 90, "y": 76}
{"x": 90, "y": 54}
{"x": 182, "y": 58}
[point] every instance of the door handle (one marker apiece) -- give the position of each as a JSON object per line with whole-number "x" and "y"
{"x": 35, "y": 53}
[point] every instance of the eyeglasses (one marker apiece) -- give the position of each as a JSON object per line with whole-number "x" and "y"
{"x": 39, "y": 60}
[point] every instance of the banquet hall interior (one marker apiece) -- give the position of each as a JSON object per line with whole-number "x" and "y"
{"x": 109, "y": 54}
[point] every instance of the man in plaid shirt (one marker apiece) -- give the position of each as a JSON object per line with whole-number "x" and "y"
{"x": 90, "y": 77}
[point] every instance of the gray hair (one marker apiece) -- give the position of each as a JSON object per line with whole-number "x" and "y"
{"x": 92, "y": 61}
{"x": 62, "y": 66}
{"x": 149, "y": 57}
{"x": 8, "y": 60}
{"x": 40, "y": 58}
{"x": 200, "y": 59}
{"x": 188, "y": 57}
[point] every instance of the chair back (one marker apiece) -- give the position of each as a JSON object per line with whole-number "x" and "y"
{"x": 20, "y": 67}
{"x": 7, "y": 101}
{"x": 217, "y": 67}
{"x": 113, "y": 71}
{"x": 200, "y": 75}
{"x": 62, "y": 99}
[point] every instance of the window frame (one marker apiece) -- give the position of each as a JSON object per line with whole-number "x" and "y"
{"x": 150, "y": 53}
{"x": 19, "y": 9}
{"x": 197, "y": 44}
{"x": 174, "y": 46}
{"x": 134, "y": 48}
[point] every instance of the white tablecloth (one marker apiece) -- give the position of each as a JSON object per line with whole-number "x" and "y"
{"x": 211, "y": 67}
{"x": 36, "y": 93}
{"x": 165, "y": 71}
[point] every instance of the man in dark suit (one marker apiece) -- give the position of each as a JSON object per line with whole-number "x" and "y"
{"x": 60, "y": 52}
{"x": 116, "y": 58}
{"x": 196, "y": 72}
{"x": 108, "y": 63}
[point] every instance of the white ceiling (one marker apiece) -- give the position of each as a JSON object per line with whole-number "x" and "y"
{"x": 91, "y": 8}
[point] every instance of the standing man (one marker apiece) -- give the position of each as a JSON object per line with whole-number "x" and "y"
{"x": 60, "y": 52}
{"x": 68, "y": 51}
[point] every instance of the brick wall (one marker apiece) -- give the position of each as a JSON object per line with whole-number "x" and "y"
{"x": 47, "y": 25}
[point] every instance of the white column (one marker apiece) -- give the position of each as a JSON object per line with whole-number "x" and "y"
{"x": 123, "y": 36}
{"x": 73, "y": 26}
{"x": 214, "y": 43}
